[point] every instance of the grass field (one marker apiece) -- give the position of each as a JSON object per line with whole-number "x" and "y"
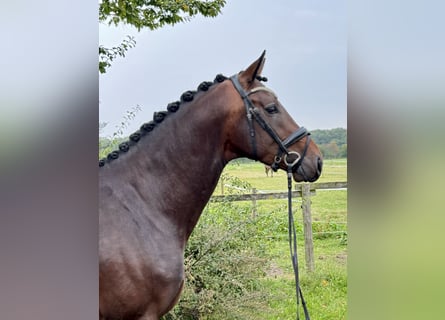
{"x": 325, "y": 289}
{"x": 238, "y": 263}
{"x": 253, "y": 172}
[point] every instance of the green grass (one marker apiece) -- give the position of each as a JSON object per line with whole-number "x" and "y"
{"x": 253, "y": 173}
{"x": 250, "y": 253}
{"x": 325, "y": 289}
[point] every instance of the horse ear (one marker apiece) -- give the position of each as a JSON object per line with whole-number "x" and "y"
{"x": 248, "y": 76}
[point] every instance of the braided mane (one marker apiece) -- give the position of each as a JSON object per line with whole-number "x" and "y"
{"x": 158, "y": 117}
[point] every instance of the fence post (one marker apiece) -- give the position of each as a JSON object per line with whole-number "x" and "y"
{"x": 254, "y": 202}
{"x": 307, "y": 223}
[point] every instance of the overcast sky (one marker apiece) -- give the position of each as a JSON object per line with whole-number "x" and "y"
{"x": 305, "y": 60}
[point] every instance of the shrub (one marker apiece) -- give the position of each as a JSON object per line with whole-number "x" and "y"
{"x": 223, "y": 265}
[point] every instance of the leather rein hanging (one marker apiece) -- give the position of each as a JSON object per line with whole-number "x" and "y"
{"x": 291, "y": 166}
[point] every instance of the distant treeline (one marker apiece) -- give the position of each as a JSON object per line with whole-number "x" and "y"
{"x": 332, "y": 143}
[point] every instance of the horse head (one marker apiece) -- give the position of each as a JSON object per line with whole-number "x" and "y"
{"x": 263, "y": 130}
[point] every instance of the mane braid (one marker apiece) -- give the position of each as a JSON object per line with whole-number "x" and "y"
{"x": 158, "y": 117}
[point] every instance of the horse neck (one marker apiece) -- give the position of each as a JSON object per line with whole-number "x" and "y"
{"x": 181, "y": 161}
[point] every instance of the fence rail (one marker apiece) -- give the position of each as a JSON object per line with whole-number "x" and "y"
{"x": 255, "y": 195}
{"x": 302, "y": 190}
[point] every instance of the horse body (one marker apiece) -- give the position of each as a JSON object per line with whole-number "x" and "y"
{"x": 152, "y": 196}
{"x": 149, "y": 235}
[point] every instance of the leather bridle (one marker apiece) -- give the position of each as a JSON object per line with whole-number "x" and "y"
{"x": 292, "y": 165}
{"x": 252, "y": 112}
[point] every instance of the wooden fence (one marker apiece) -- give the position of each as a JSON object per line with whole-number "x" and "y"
{"x": 302, "y": 190}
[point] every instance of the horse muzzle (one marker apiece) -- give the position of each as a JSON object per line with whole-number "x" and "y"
{"x": 309, "y": 170}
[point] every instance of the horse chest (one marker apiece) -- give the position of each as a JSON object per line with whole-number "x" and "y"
{"x": 141, "y": 273}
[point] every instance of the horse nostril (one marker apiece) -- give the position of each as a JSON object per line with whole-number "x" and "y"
{"x": 319, "y": 164}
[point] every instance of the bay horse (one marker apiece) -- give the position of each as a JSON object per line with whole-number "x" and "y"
{"x": 153, "y": 189}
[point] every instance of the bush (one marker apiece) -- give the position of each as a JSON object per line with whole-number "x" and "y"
{"x": 223, "y": 265}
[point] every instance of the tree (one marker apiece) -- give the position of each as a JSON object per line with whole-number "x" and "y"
{"x": 332, "y": 142}
{"x": 332, "y": 149}
{"x": 107, "y": 55}
{"x": 151, "y": 14}
{"x": 326, "y": 136}
{"x": 343, "y": 153}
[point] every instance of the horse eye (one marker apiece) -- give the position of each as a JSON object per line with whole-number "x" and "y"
{"x": 271, "y": 108}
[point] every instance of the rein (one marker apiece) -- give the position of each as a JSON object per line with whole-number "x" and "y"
{"x": 292, "y": 165}
{"x": 293, "y": 247}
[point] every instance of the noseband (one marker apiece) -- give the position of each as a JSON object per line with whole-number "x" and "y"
{"x": 252, "y": 112}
